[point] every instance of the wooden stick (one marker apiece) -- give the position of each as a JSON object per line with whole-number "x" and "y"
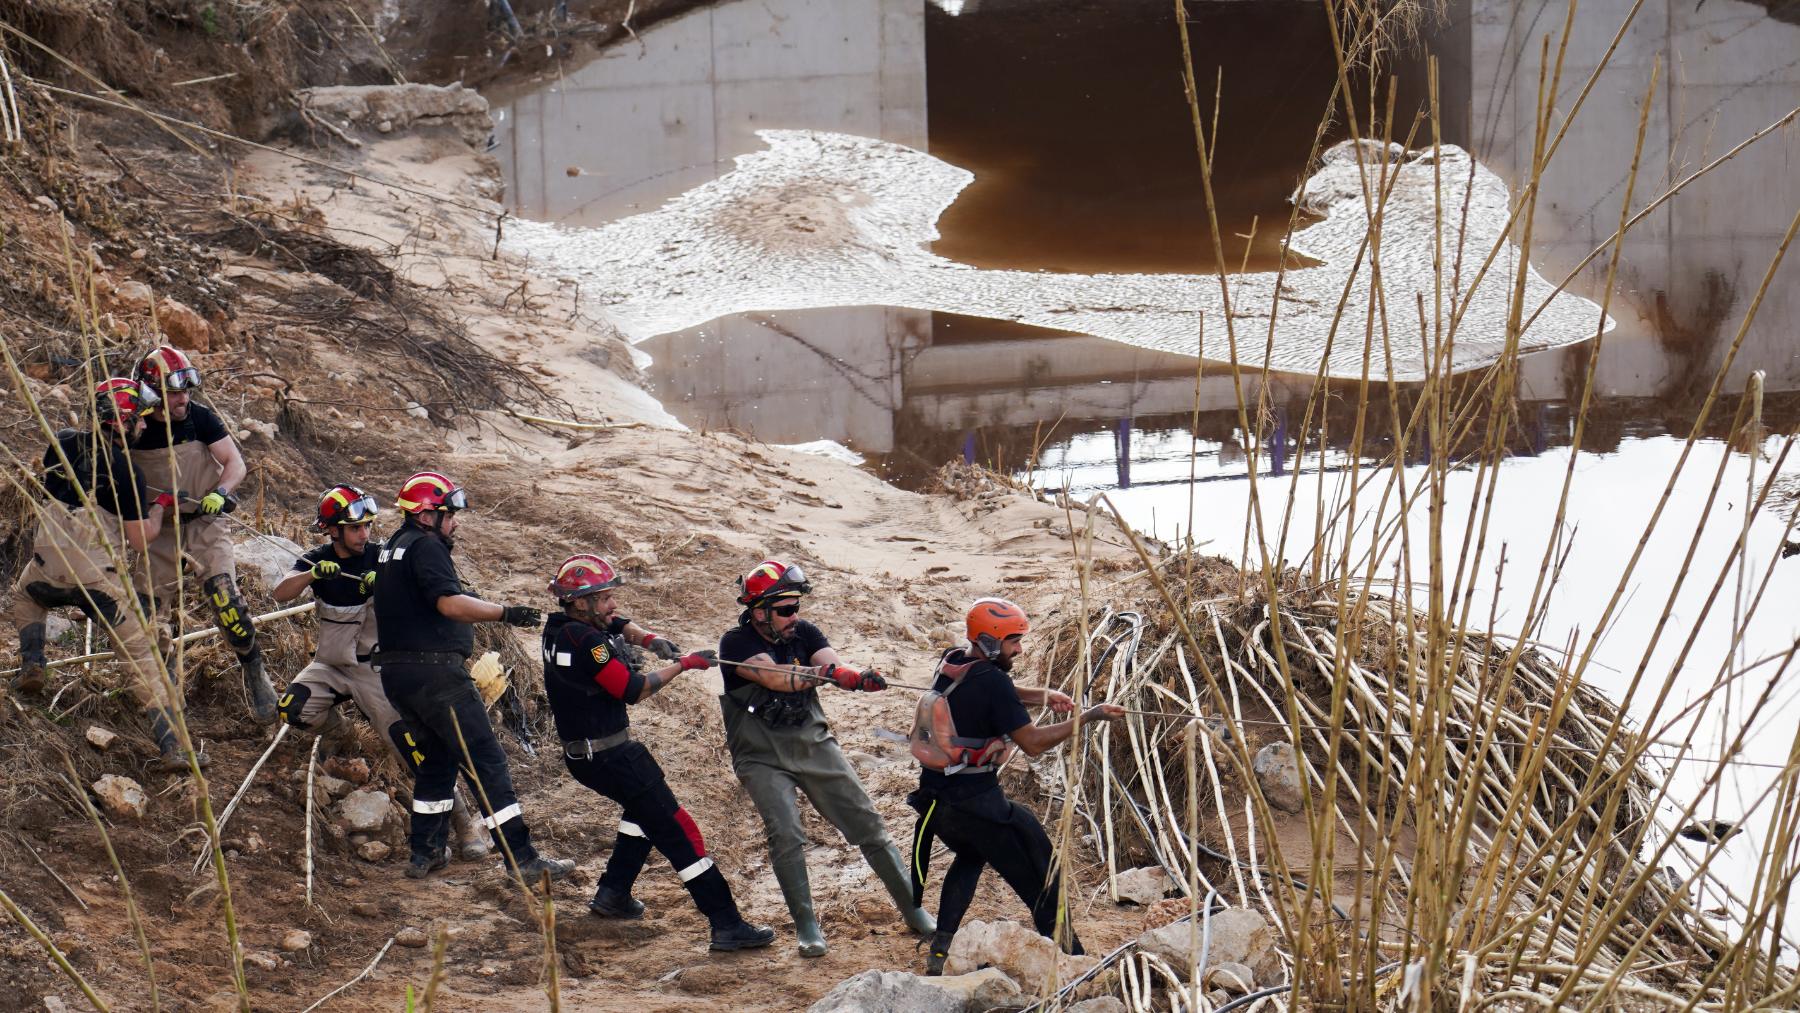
{"x": 59, "y": 880}
{"x": 231, "y": 807}
{"x": 365, "y": 973}
{"x": 312, "y": 763}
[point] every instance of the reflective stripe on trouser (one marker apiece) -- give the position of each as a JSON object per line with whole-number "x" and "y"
{"x": 106, "y": 602}
{"x": 992, "y": 830}
{"x": 651, "y": 817}
{"x": 427, "y": 696}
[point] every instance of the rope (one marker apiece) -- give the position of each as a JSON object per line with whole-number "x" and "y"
{"x": 186, "y": 638}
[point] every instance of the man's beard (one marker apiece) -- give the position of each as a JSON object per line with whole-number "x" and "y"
{"x": 1004, "y": 663}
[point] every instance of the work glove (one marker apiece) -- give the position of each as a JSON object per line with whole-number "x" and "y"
{"x": 662, "y": 647}
{"x": 325, "y": 568}
{"x": 217, "y": 501}
{"x": 850, "y": 679}
{"x": 166, "y": 501}
{"x": 366, "y": 583}
{"x": 521, "y": 615}
{"x": 698, "y": 660}
{"x": 870, "y": 681}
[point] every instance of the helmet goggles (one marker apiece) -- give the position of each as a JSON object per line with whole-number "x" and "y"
{"x": 180, "y": 379}
{"x": 791, "y": 584}
{"x": 359, "y": 511}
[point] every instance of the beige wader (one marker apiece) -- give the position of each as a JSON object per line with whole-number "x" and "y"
{"x": 71, "y": 567}
{"x": 340, "y": 671}
{"x": 190, "y": 476}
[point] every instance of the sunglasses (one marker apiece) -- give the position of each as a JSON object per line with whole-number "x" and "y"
{"x": 786, "y": 610}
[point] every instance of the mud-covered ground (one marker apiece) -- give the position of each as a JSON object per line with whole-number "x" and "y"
{"x": 361, "y": 327}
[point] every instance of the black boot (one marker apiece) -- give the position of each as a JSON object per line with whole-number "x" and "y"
{"x": 610, "y": 903}
{"x": 171, "y": 759}
{"x": 741, "y": 936}
{"x": 940, "y": 952}
{"x": 537, "y": 867}
{"x": 32, "y": 673}
{"x": 422, "y": 865}
{"x": 256, "y": 682}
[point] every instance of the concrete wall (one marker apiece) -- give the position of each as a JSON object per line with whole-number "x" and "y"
{"x": 1690, "y": 270}
{"x": 643, "y": 125}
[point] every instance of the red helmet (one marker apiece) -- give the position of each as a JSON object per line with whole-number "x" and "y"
{"x": 167, "y": 369}
{"x": 583, "y": 574}
{"x": 772, "y": 579}
{"x": 429, "y": 490}
{"x": 992, "y": 620}
{"x": 118, "y": 399}
{"x": 344, "y": 505}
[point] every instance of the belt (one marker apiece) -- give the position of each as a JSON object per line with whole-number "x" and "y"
{"x": 450, "y": 658}
{"x": 586, "y": 749}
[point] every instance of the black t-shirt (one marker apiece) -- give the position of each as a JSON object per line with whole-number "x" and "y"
{"x": 742, "y": 642}
{"x": 342, "y": 591}
{"x": 202, "y": 423}
{"x": 415, "y": 570}
{"x": 985, "y": 706}
{"x": 103, "y": 469}
{"x": 587, "y": 677}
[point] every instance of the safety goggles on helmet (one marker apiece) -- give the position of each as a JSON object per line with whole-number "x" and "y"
{"x": 456, "y": 500}
{"x": 772, "y": 579}
{"x": 346, "y": 505}
{"x": 180, "y": 379}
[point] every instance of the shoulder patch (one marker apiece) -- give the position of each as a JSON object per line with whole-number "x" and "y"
{"x": 601, "y": 655}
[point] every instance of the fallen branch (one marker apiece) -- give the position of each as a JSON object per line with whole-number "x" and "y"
{"x": 231, "y": 807}
{"x": 312, "y": 763}
{"x": 365, "y": 973}
{"x": 59, "y": 880}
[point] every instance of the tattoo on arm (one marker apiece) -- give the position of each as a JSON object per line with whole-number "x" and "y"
{"x": 652, "y": 682}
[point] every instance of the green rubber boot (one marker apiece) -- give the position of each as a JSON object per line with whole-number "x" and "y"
{"x": 885, "y": 860}
{"x": 798, "y": 893}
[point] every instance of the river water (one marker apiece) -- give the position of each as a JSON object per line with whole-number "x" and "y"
{"x": 1070, "y": 117}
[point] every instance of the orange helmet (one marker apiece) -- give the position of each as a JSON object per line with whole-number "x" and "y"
{"x": 429, "y": 490}
{"x": 772, "y": 579}
{"x": 118, "y": 399}
{"x": 583, "y": 574}
{"x": 992, "y": 620}
{"x": 167, "y": 369}
{"x": 345, "y": 505}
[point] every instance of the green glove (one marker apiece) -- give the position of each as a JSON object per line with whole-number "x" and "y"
{"x": 366, "y": 584}
{"x": 212, "y": 502}
{"x": 324, "y": 568}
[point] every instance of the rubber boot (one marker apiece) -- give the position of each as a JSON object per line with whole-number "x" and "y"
{"x": 32, "y": 673}
{"x": 171, "y": 759}
{"x": 798, "y": 894}
{"x": 886, "y": 862}
{"x": 256, "y": 682}
{"x": 939, "y": 952}
{"x": 472, "y": 840}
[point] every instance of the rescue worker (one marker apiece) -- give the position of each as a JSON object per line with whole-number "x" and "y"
{"x": 341, "y": 574}
{"x": 591, "y": 681}
{"x": 963, "y": 731}
{"x": 423, "y": 614}
{"x": 76, "y": 552}
{"x": 780, "y": 743}
{"x": 185, "y": 451}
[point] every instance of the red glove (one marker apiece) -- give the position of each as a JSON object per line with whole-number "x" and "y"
{"x": 870, "y": 681}
{"x": 698, "y": 660}
{"x": 843, "y": 676}
{"x": 166, "y": 501}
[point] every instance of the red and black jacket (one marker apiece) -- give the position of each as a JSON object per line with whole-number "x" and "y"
{"x": 588, "y": 677}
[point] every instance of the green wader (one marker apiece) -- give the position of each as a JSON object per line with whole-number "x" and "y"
{"x": 772, "y": 764}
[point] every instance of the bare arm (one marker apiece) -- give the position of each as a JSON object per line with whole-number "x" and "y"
{"x": 466, "y": 608}
{"x": 292, "y": 584}
{"x": 1035, "y": 739}
{"x": 658, "y": 679}
{"x": 139, "y": 534}
{"x": 1059, "y": 701}
{"x": 231, "y": 462}
{"x": 788, "y": 678}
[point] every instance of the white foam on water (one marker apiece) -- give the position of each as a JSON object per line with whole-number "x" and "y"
{"x": 827, "y": 219}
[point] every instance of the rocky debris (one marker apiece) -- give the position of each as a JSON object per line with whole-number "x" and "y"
{"x": 1098, "y": 1004}
{"x": 121, "y": 796}
{"x": 1230, "y": 977}
{"x": 296, "y": 940}
{"x": 132, "y": 297}
{"x": 354, "y": 769}
{"x": 1020, "y": 952}
{"x": 333, "y": 787}
{"x": 1142, "y": 887}
{"x": 899, "y": 990}
{"x": 182, "y": 326}
{"x": 101, "y": 738}
{"x": 373, "y": 851}
{"x": 54, "y": 1005}
{"x": 262, "y": 960}
{"x": 1169, "y": 909}
{"x": 1238, "y": 936}
{"x": 364, "y": 811}
{"x": 411, "y": 936}
{"x": 271, "y": 555}
{"x": 1279, "y": 775}
{"x": 386, "y": 108}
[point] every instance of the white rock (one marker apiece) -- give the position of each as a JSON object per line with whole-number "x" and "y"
{"x": 272, "y": 556}
{"x": 899, "y": 990}
{"x": 411, "y": 936}
{"x": 373, "y": 851}
{"x": 263, "y": 959}
{"x": 1025, "y": 956}
{"x": 334, "y": 787}
{"x": 101, "y": 738}
{"x": 365, "y": 811}
{"x": 1142, "y": 887}
{"x": 1238, "y": 936}
{"x": 296, "y": 940}
{"x": 121, "y": 796}
{"x": 1279, "y": 775}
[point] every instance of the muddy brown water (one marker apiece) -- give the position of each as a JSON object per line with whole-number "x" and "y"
{"x": 1072, "y": 119}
